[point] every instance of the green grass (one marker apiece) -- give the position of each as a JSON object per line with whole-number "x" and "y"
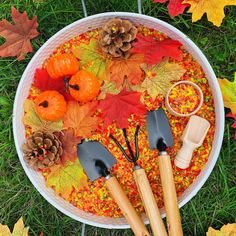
{"x": 214, "y": 205}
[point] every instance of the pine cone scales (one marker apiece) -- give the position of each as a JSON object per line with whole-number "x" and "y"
{"x": 42, "y": 149}
{"x": 117, "y": 36}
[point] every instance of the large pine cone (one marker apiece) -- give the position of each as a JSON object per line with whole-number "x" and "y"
{"x": 42, "y": 150}
{"x": 117, "y": 36}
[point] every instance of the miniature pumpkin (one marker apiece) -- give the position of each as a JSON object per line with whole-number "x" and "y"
{"x": 62, "y": 65}
{"x": 83, "y": 86}
{"x": 50, "y": 105}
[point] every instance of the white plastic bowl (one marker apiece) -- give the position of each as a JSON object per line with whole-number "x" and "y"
{"x": 77, "y": 28}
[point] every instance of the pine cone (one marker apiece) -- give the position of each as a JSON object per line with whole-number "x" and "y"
{"x": 117, "y": 36}
{"x": 42, "y": 149}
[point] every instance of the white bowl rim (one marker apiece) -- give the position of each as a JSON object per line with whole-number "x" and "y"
{"x": 220, "y": 105}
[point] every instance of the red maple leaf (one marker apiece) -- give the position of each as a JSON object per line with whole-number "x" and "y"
{"x": 119, "y": 107}
{"x": 234, "y": 124}
{"x": 175, "y": 7}
{"x": 18, "y": 35}
{"x": 154, "y": 51}
{"x": 44, "y": 82}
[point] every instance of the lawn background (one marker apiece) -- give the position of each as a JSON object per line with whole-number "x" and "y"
{"x": 215, "y": 203}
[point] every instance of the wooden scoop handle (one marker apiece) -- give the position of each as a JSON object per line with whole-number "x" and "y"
{"x": 170, "y": 196}
{"x": 149, "y": 201}
{"x": 127, "y": 209}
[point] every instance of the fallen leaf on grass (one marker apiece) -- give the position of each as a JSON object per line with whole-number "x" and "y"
{"x": 154, "y": 51}
{"x": 69, "y": 144}
{"x": 18, "y": 35}
{"x": 129, "y": 69}
{"x": 228, "y": 90}
{"x": 175, "y": 7}
{"x": 35, "y": 122}
{"x": 158, "y": 78}
{"x": 19, "y": 229}
{"x": 213, "y": 8}
{"x": 64, "y": 178}
{"x": 80, "y": 118}
{"x": 91, "y": 59}
{"x": 226, "y": 230}
{"x": 119, "y": 107}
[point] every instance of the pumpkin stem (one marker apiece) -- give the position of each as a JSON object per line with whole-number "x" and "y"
{"x": 66, "y": 83}
{"x": 44, "y": 104}
{"x": 74, "y": 86}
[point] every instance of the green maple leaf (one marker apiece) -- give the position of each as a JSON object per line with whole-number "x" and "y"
{"x": 91, "y": 59}
{"x": 35, "y": 122}
{"x": 64, "y": 178}
{"x": 158, "y": 78}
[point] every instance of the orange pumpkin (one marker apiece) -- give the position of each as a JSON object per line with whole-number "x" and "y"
{"x": 50, "y": 105}
{"x": 62, "y": 65}
{"x": 83, "y": 86}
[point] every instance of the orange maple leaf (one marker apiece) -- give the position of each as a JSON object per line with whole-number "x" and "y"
{"x": 213, "y": 8}
{"x": 80, "y": 118}
{"x": 18, "y": 35}
{"x": 121, "y": 69}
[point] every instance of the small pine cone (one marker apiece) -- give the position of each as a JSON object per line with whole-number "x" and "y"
{"x": 117, "y": 36}
{"x": 42, "y": 150}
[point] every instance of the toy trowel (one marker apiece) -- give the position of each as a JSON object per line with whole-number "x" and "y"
{"x": 160, "y": 137}
{"x": 96, "y": 161}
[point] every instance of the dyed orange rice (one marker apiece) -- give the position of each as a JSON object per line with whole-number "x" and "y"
{"x": 95, "y": 198}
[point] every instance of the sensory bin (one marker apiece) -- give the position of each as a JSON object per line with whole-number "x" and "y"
{"x": 96, "y": 84}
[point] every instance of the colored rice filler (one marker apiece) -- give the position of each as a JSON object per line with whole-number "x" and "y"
{"x": 101, "y": 79}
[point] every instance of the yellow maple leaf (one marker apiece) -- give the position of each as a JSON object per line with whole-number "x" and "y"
{"x": 35, "y": 122}
{"x": 64, "y": 178}
{"x": 19, "y": 229}
{"x": 213, "y": 8}
{"x": 158, "y": 78}
{"x": 228, "y": 90}
{"x": 226, "y": 230}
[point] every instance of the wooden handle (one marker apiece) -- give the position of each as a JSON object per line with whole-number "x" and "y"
{"x": 170, "y": 196}
{"x": 127, "y": 209}
{"x": 150, "y": 204}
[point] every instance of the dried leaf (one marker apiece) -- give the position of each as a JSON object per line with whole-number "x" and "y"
{"x": 119, "y": 107}
{"x": 19, "y": 229}
{"x": 226, "y": 230}
{"x": 64, "y": 178}
{"x": 33, "y": 120}
{"x": 108, "y": 87}
{"x": 69, "y": 144}
{"x": 234, "y": 124}
{"x": 122, "y": 69}
{"x": 18, "y": 35}
{"x": 213, "y": 8}
{"x": 175, "y": 7}
{"x": 80, "y": 118}
{"x": 154, "y": 51}
{"x": 228, "y": 90}
{"x": 158, "y": 78}
{"x": 91, "y": 59}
